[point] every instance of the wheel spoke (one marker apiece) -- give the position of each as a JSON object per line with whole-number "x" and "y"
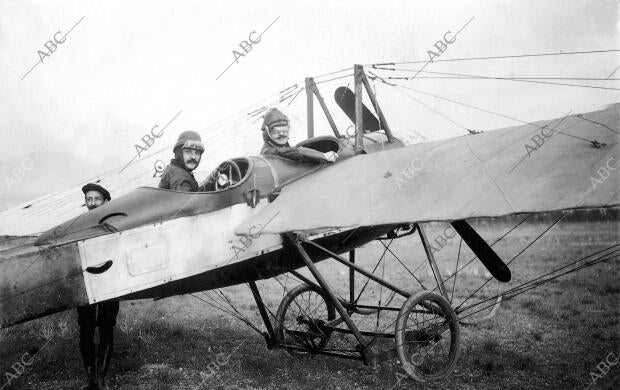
{"x": 427, "y": 336}
{"x": 300, "y": 317}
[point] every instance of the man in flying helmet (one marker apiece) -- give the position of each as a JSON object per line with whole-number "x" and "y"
{"x": 178, "y": 174}
{"x": 275, "y": 130}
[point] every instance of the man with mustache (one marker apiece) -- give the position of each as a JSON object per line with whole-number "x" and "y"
{"x": 102, "y": 315}
{"x": 187, "y": 153}
{"x": 275, "y": 130}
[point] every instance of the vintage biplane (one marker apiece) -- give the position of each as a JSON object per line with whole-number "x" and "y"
{"x": 277, "y": 216}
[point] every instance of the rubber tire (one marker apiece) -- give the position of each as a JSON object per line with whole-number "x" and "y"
{"x": 399, "y": 334}
{"x": 287, "y": 300}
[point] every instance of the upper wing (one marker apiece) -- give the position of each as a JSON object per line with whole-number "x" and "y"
{"x": 530, "y": 168}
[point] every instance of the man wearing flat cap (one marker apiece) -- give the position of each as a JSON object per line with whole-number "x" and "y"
{"x": 102, "y": 315}
{"x": 95, "y": 195}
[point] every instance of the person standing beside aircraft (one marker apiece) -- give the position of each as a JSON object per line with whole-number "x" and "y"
{"x": 275, "y": 130}
{"x": 187, "y": 154}
{"x": 101, "y": 314}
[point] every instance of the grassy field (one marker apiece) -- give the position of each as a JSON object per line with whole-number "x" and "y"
{"x": 553, "y": 336}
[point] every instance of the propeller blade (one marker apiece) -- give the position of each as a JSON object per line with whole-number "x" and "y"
{"x": 345, "y": 98}
{"x": 485, "y": 253}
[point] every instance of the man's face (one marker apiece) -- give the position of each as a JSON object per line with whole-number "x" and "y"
{"x": 279, "y": 133}
{"x": 94, "y": 199}
{"x": 191, "y": 158}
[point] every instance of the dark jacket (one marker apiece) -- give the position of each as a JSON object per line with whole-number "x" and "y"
{"x": 177, "y": 177}
{"x": 292, "y": 153}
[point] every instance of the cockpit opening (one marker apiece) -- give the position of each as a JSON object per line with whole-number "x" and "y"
{"x": 229, "y": 174}
{"x": 323, "y": 144}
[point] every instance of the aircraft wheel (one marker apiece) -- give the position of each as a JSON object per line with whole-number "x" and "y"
{"x": 427, "y": 337}
{"x": 300, "y": 316}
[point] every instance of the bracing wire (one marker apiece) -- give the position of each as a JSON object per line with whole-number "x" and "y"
{"x": 461, "y": 76}
{"x": 561, "y": 53}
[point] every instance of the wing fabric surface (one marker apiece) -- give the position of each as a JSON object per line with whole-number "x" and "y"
{"x": 529, "y": 168}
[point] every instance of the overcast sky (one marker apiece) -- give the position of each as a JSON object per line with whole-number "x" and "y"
{"x": 128, "y": 66}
